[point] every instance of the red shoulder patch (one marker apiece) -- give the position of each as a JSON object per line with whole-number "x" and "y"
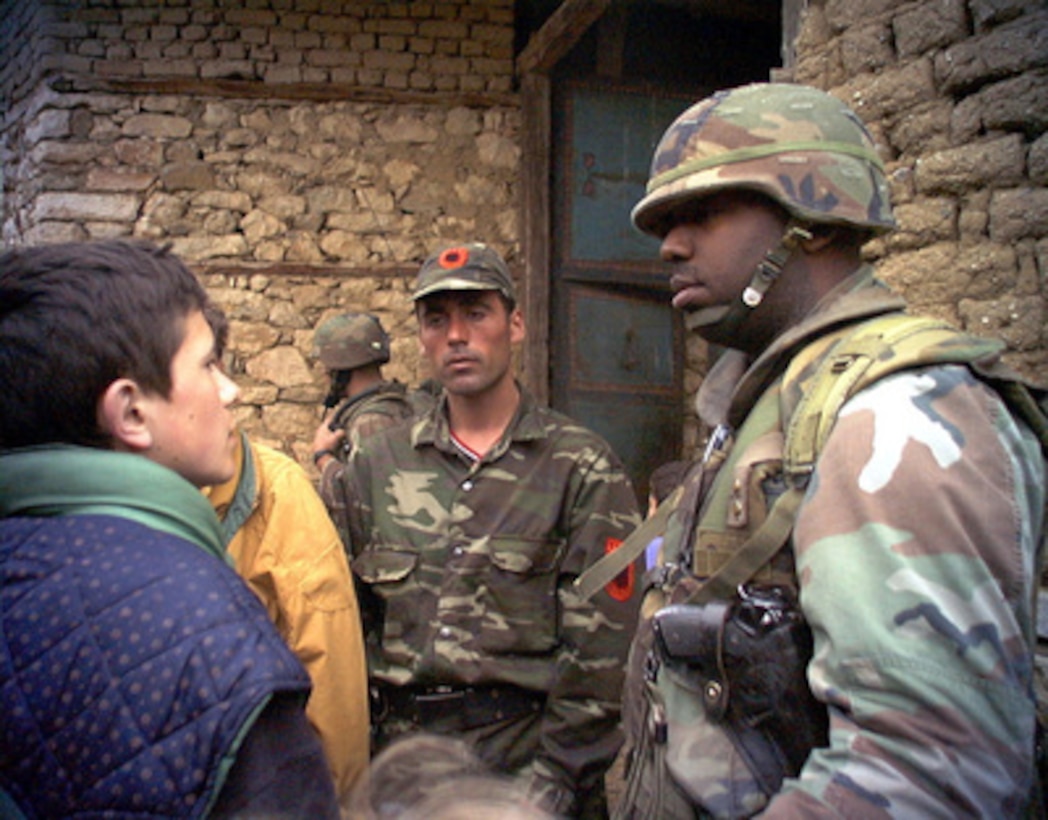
{"x": 621, "y": 586}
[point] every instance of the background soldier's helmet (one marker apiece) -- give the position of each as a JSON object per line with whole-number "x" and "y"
{"x": 798, "y": 145}
{"x": 351, "y": 340}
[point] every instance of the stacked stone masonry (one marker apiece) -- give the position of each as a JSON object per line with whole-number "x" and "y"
{"x": 305, "y": 155}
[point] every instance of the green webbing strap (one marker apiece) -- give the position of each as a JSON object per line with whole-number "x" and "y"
{"x": 755, "y": 553}
{"x": 603, "y": 572}
{"x": 839, "y": 377}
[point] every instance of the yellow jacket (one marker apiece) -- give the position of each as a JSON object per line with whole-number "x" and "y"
{"x": 284, "y": 545}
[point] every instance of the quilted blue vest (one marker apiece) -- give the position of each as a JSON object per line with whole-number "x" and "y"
{"x": 132, "y": 663}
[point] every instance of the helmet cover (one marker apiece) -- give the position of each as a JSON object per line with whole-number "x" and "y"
{"x": 351, "y": 340}
{"x": 797, "y": 145}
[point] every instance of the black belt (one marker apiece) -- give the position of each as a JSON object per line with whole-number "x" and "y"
{"x": 453, "y": 708}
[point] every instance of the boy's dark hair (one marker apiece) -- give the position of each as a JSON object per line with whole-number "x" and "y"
{"x": 76, "y": 316}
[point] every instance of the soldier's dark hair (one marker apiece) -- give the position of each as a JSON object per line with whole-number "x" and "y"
{"x": 76, "y": 316}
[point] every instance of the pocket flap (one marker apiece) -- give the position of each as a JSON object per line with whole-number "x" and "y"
{"x": 384, "y": 566}
{"x": 526, "y": 556}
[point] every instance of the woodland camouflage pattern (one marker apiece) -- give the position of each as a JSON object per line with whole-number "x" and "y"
{"x": 360, "y": 416}
{"x": 916, "y": 550}
{"x": 472, "y": 564}
{"x": 351, "y": 340}
{"x": 801, "y": 147}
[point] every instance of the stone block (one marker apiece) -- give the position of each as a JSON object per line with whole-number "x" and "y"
{"x": 988, "y": 13}
{"x": 111, "y": 179}
{"x": 187, "y": 176}
{"x": 50, "y": 123}
{"x": 1037, "y": 161}
{"x": 1017, "y": 46}
{"x": 1016, "y": 104}
{"x": 1017, "y": 213}
{"x": 199, "y": 248}
{"x": 990, "y": 163}
{"x": 928, "y": 26}
{"x": 160, "y": 126}
{"x": 866, "y": 49}
{"x": 892, "y": 93}
{"x": 83, "y": 206}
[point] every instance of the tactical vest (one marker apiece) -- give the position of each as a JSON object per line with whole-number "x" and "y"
{"x": 729, "y": 525}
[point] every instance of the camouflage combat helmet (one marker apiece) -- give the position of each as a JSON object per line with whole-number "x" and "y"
{"x": 798, "y": 145}
{"x": 351, "y": 340}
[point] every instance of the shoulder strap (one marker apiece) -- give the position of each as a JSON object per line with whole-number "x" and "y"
{"x": 877, "y": 348}
{"x": 880, "y": 347}
{"x": 603, "y": 572}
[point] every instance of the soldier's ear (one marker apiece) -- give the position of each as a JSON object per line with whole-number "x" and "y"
{"x": 517, "y": 328}
{"x": 822, "y": 236}
{"x": 120, "y": 414}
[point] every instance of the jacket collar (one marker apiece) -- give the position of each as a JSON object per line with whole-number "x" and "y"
{"x": 58, "y": 480}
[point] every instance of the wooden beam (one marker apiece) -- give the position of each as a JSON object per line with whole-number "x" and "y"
{"x": 561, "y": 31}
{"x": 313, "y": 92}
{"x": 535, "y": 231}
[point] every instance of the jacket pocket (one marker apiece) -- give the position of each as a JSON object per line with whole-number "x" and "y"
{"x": 390, "y": 606}
{"x": 521, "y": 610}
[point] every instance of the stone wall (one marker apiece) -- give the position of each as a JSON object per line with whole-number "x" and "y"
{"x": 447, "y": 45}
{"x": 956, "y": 94}
{"x": 318, "y": 194}
{"x": 305, "y": 155}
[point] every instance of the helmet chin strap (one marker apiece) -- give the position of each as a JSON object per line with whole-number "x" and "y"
{"x": 765, "y": 274}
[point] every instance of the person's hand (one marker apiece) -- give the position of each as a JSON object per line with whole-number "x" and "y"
{"x": 326, "y": 442}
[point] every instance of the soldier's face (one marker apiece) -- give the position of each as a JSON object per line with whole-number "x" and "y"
{"x": 714, "y": 245}
{"x": 468, "y": 338}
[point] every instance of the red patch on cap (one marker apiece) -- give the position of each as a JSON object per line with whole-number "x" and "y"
{"x": 453, "y": 258}
{"x": 621, "y": 586}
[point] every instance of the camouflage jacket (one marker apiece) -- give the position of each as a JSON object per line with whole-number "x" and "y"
{"x": 915, "y": 550}
{"x": 366, "y": 413}
{"x": 471, "y": 563}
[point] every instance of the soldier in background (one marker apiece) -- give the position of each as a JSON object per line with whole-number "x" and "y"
{"x": 467, "y": 527}
{"x": 871, "y": 476}
{"x": 353, "y": 347}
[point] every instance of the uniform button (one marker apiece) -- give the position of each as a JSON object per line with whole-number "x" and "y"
{"x": 445, "y": 632}
{"x": 458, "y": 550}
{"x": 467, "y": 485}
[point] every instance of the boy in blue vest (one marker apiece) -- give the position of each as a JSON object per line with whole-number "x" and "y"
{"x": 138, "y": 674}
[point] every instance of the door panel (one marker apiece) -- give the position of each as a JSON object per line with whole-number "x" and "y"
{"x": 617, "y": 354}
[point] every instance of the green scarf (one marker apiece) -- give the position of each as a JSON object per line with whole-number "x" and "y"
{"x": 58, "y": 480}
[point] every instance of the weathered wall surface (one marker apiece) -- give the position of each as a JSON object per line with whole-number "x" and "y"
{"x": 305, "y": 155}
{"x": 957, "y": 95}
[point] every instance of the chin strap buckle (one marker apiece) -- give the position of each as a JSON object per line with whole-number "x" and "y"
{"x": 770, "y": 267}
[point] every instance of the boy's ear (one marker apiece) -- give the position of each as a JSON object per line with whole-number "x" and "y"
{"x": 120, "y": 415}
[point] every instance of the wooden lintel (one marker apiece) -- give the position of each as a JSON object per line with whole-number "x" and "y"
{"x": 561, "y": 31}
{"x": 313, "y": 92}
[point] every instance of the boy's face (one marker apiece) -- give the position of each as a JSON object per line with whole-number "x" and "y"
{"x": 193, "y": 430}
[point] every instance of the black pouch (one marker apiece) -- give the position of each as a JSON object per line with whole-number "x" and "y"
{"x": 749, "y": 657}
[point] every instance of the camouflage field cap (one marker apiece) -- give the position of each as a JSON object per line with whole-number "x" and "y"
{"x": 351, "y": 340}
{"x": 796, "y": 144}
{"x": 472, "y": 266}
